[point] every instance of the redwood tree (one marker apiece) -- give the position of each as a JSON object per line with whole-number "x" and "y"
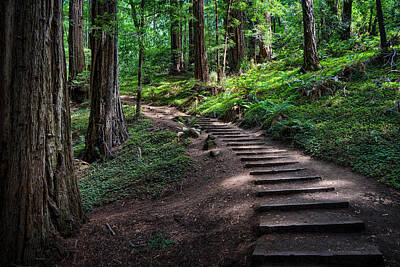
{"x": 236, "y": 53}
{"x": 75, "y": 39}
{"x": 200, "y": 53}
{"x": 38, "y": 190}
{"x": 175, "y": 38}
{"x": 346, "y": 19}
{"x": 107, "y": 127}
{"x": 381, "y": 22}
{"x": 311, "y": 59}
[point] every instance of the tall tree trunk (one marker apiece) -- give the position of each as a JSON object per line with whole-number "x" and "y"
{"x": 346, "y": 19}
{"x": 311, "y": 59}
{"x": 217, "y": 43}
{"x": 39, "y": 196}
{"x": 381, "y": 23}
{"x": 181, "y": 40}
{"x": 107, "y": 127}
{"x": 76, "y": 48}
{"x": 227, "y": 21}
{"x": 191, "y": 38}
{"x": 237, "y": 52}
{"x": 75, "y": 39}
{"x": 175, "y": 40}
{"x": 141, "y": 58}
{"x": 266, "y": 42}
{"x": 201, "y": 65}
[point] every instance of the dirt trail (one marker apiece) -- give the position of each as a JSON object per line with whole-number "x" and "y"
{"x": 211, "y": 217}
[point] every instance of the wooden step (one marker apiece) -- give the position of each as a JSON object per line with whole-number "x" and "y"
{"x": 242, "y": 140}
{"x": 246, "y": 159}
{"x": 223, "y": 131}
{"x": 286, "y": 180}
{"x": 289, "y": 191}
{"x": 226, "y": 133}
{"x": 251, "y": 148}
{"x": 317, "y": 249}
{"x": 255, "y": 153}
{"x": 235, "y": 136}
{"x": 269, "y": 164}
{"x": 246, "y": 144}
{"x": 348, "y": 226}
{"x": 318, "y": 204}
{"x": 262, "y": 172}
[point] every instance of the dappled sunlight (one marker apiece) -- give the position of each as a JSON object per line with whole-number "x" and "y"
{"x": 236, "y": 181}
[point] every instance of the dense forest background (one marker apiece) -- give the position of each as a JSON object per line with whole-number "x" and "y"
{"x": 345, "y": 110}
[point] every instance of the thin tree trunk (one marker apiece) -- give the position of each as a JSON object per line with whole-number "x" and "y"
{"x": 346, "y": 19}
{"x": 201, "y": 65}
{"x": 181, "y": 39}
{"x": 175, "y": 42}
{"x": 141, "y": 58}
{"x": 226, "y": 36}
{"x": 381, "y": 23}
{"x": 217, "y": 43}
{"x": 107, "y": 127}
{"x": 311, "y": 59}
{"x": 191, "y": 38}
{"x": 39, "y": 196}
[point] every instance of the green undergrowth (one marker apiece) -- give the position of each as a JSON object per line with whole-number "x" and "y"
{"x": 347, "y": 112}
{"x": 151, "y": 162}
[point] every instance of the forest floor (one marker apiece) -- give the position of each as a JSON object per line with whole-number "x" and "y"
{"x": 209, "y": 220}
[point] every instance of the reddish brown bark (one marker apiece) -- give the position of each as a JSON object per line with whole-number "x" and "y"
{"x": 75, "y": 39}
{"x": 107, "y": 128}
{"x": 311, "y": 59}
{"x": 175, "y": 38}
{"x": 38, "y": 190}
{"x": 201, "y": 65}
{"x": 236, "y": 53}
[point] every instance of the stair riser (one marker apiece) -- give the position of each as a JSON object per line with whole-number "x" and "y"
{"x": 269, "y": 164}
{"x": 334, "y": 260}
{"x": 276, "y": 171}
{"x": 276, "y": 181}
{"x": 307, "y": 206}
{"x": 294, "y": 191}
{"x": 260, "y": 159}
{"x": 313, "y": 228}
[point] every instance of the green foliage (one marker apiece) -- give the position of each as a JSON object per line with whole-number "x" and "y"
{"x": 159, "y": 241}
{"x": 149, "y": 163}
{"x": 265, "y": 113}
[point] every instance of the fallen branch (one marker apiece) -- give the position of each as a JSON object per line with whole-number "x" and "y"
{"x": 109, "y": 228}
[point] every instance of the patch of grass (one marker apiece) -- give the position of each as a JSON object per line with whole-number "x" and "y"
{"x": 150, "y": 163}
{"x": 159, "y": 241}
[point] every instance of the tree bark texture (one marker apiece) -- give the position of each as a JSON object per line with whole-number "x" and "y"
{"x": 191, "y": 39}
{"x": 381, "y": 23}
{"x": 141, "y": 59}
{"x": 38, "y": 190}
{"x": 227, "y": 20}
{"x": 75, "y": 39}
{"x": 175, "y": 38}
{"x": 236, "y": 53}
{"x": 217, "y": 43}
{"x": 346, "y": 19}
{"x": 200, "y": 53}
{"x": 311, "y": 60}
{"x": 107, "y": 127}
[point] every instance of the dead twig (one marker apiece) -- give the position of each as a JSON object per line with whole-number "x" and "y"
{"x": 109, "y": 228}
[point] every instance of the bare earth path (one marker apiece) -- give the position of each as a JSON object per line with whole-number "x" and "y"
{"x": 258, "y": 203}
